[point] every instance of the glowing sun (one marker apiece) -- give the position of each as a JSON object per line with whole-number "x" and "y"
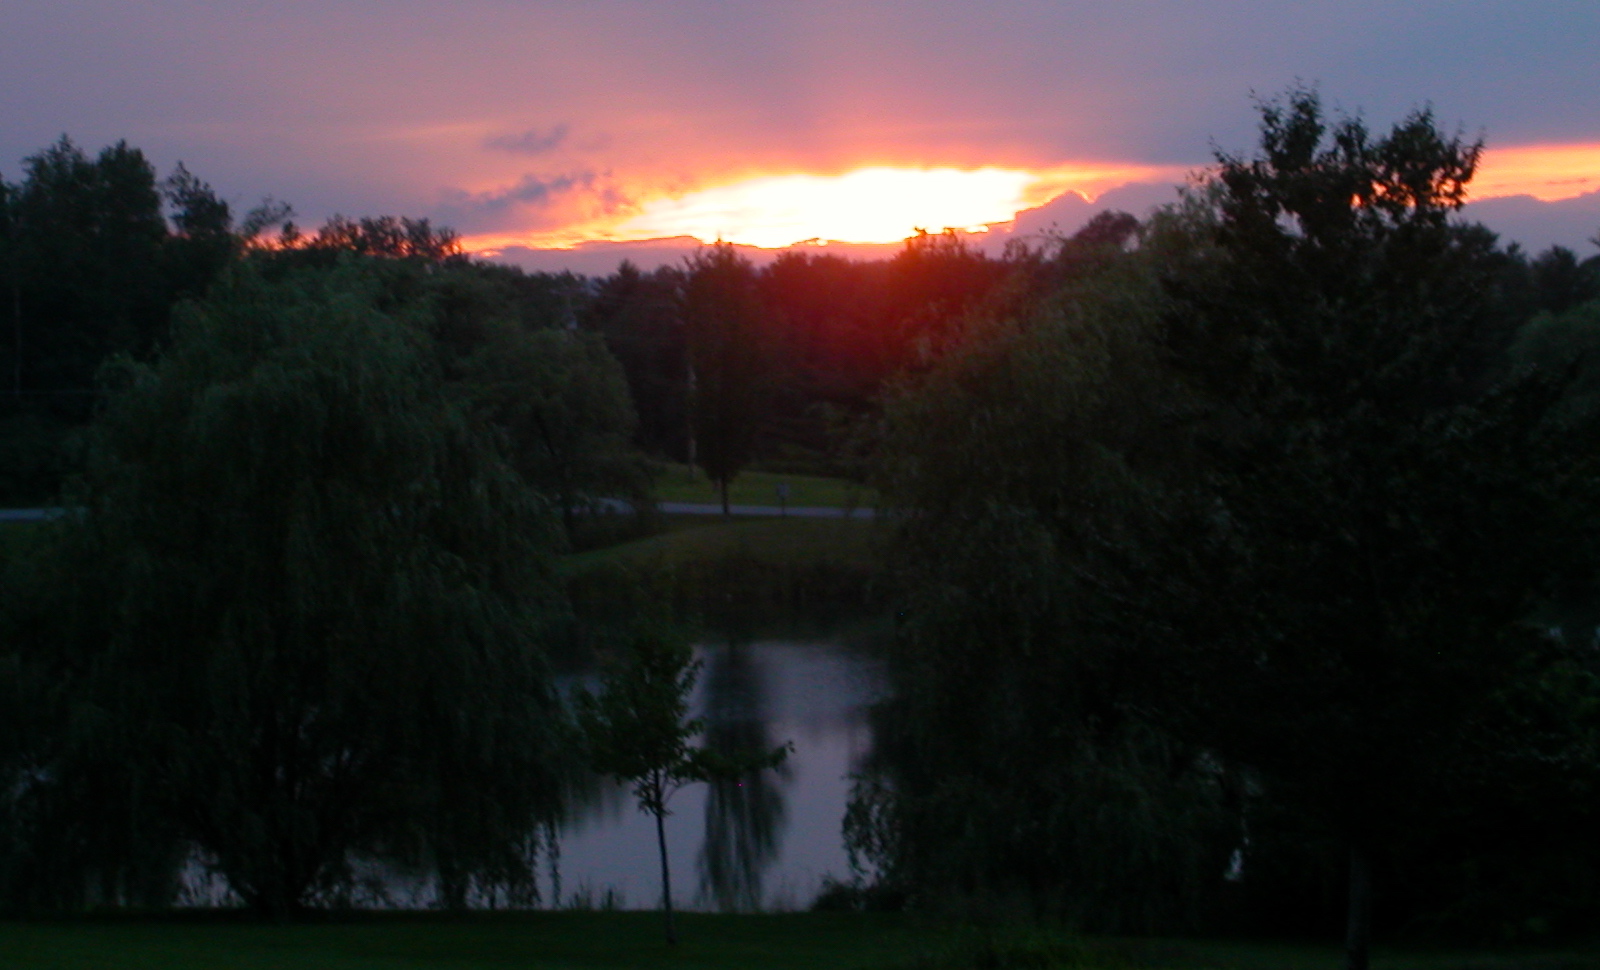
{"x": 869, "y": 205}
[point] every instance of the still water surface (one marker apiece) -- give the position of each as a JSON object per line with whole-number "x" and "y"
{"x": 763, "y": 843}
{"x": 766, "y": 842}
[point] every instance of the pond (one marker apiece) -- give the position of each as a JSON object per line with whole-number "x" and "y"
{"x": 765, "y": 842}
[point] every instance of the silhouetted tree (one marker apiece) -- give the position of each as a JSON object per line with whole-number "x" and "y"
{"x": 1561, "y": 282}
{"x": 391, "y": 236}
{"x": 307, "y": 613}
{"x": 1023, "y": 764}
{"x": 1259, "y": 495}
{"x": 561, "y": 400}
{"x": 87, "y": 236}
{"x": 91, "y": 268}
{"x": 638, "y": 731}
{"x": 1381, "y": 514}
{"x": 640, "y": 317}
{"x": 203, "y": 240}
{"x": 729, "y": 367}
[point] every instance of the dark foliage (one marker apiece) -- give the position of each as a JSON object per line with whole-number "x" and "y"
{"x": 1254, "y": 521}
{"x": 299, "y": 619}
{"x": 730, "y": 363}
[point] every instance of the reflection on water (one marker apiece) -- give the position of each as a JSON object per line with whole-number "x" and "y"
{"x": 744, "y": 816}
{"x": 764, "y": 841}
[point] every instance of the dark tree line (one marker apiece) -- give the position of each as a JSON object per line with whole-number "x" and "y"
{"x": 798, "y": 352}
{"x": 1262, "y": 544}
{"x": 90, "y": 267}
{"x": 97, "y": 254}
{"x": 820, "y": 337}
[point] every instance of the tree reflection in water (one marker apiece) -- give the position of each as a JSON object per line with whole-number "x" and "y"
{"x": 744, "y": 817}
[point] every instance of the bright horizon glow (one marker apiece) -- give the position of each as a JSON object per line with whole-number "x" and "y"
{"x": 885, "y": 204}
{"x": 868, "y": 205}
{"x": 1549, "y": 173}
{"x": 876, "y": 204}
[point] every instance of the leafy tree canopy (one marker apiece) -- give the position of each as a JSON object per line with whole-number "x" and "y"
{"x": 306, "y": 610}
{"x": 1265, "y": 485}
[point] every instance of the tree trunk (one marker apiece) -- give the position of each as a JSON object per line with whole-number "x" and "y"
{"x": 722, "y": 489}
{"x": 553, "y": 852}
{"x": 666, "y": 878}
{"x": 688, "y": 422}
{"x": 1358, "y": 928}
{"x": 16, "y": 326}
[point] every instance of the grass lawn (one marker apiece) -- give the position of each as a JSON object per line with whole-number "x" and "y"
{"x": 761, "y": 488}
{"x": 1250, "y": 955}
{"x": 779, "y": 541}
{"x": 17, "y": 535}
{"x": 538, "y": 941}
{"x": 614, "y": 941}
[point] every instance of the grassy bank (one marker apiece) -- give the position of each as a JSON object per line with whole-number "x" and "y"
{"x": 738, "y": 574}
{"x": 614, "y": 941}
{"x": 681, "y": 484}
{"x": 685, "y": 539}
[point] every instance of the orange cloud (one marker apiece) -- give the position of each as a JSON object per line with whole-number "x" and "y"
{"x": 1549, "y": 173}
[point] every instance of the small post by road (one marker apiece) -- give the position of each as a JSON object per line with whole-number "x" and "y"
{"x": 783, "y": 499}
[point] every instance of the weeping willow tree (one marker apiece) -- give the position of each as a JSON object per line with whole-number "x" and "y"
{"x": 300, "y": 618}
{"x": 1019, "y": 771}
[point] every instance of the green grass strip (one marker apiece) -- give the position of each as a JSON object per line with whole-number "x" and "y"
{"x": 761, "y": 488}
{"x": 540, "y": 941}
{"x": 777, "y": 541}
{"x": 634, "y": 940}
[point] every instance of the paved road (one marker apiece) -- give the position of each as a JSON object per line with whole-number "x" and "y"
{"x": 30, "y": 515}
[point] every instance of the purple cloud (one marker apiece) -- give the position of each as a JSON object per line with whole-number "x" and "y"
{"x": 534, "y": 141}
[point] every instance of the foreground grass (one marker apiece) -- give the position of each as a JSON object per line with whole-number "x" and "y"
{"x": 16, "y": 538}
{"x": 678, "y": 484}
{"x": 1234, "y": 955}
{"x": 538, "y": 941}
{"x": 613, "y": 941}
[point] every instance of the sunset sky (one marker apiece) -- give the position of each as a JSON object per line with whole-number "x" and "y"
{"x": 529, "y": 126}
